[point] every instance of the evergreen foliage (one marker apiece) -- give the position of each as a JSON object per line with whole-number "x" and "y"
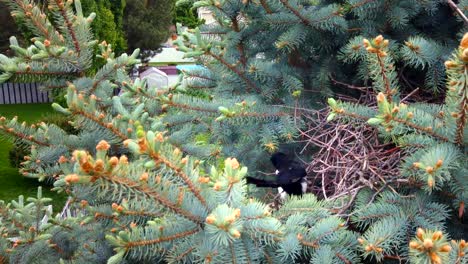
{"x": 434, "y": 137}
{"x": 271, "y": 56}
{"x": 147, "y": 172}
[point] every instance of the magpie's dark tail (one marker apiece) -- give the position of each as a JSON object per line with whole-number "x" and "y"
{"x": 261, "y": 183}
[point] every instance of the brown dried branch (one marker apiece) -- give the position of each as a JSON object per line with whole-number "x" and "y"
{"x": 462, "y": 116}
{"x": 69, "y": 24}
{"x": 180, "y": 173}
{"x": 162, "y": 239}
{"x": 459, "y": 12}
{"x": 350, "y": 86}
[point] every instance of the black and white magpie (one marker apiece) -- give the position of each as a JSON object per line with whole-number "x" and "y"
{"x": 290, "y": 176}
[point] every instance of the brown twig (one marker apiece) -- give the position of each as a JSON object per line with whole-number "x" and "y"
{"x": 459, "y": 12}
{"x": 383, "y": 73}
{"x": 350, "y": 86}
{"x": 69, "y": 25}
{"x": 462, "y": 114}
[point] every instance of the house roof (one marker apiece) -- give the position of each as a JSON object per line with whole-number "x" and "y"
{"x": 155, "y": 78}
{"x": 152, "y": 70}
{"x": 170, "y": 56}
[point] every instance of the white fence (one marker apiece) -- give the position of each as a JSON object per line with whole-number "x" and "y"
{"x": 22, "y": 93}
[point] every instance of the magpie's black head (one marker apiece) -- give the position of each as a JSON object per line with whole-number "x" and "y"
{"x": 280, "y": 160}
{"x": 287, "y": 168}
{"x": 290, "y": 175}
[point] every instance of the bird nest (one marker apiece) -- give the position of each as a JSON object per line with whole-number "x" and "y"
{"x": 347, "y": 157}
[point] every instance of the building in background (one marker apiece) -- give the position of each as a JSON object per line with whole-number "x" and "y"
{"x": 163, "y": 69}
{"x": 205, "y": 13}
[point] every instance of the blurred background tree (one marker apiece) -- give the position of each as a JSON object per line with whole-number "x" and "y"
{"x": 108, "y": 24}
{"x": 147, "y": 24}
{"x": 186, "y": 15}
{"x": 9, "y": 28}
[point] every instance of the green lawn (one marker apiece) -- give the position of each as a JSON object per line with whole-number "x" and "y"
{"x": 12, "y": 184}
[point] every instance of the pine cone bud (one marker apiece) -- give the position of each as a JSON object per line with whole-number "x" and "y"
{"x": 232, "y": 162}
{"x": 450, "y": 64}
{"x": 210, "y": 219}
{"x": 237, "y": 213}
{"x": 414, "y": 244}
{"x": 103, "y": 145}
{"x": 72, "y": 178}
{"x": 159, "y": 137}
{"x": 430, "y": 169}
{"x": 114, "y": 161}
{"x": 217, "y": 186}
{"x": 419, "y": 233}
{"x": 123, "y": 159}
{"x": 380, "y": 97}
{"x": 445, "y": 248}
{"x": 144, "y": 176}
{"x": 437, "y": 235}
{"x": 176, "y": 151}
{"x": 464, "y": 55}
{"x": 203, "y": 180}
{"x": 366, "y": 43}
{"x": 464, "y": 42}
{"x": 428, "y": 244}
{"x": 62, "y": 159}
{"x": 435, "y": 258}
{"x": 385, "y": 43}
{"x": 99, "y": 165}
{"x": 378, "y": 39}
{"x": 230, "y": 219}
{"x": 430, "y": 183}
{"x": 235, "y": 233}
{"x": 462, "y": 243}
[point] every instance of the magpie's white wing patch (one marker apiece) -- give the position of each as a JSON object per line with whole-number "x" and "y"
{"x": 282, "y": 193}
{"x": 304, "y": 186}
